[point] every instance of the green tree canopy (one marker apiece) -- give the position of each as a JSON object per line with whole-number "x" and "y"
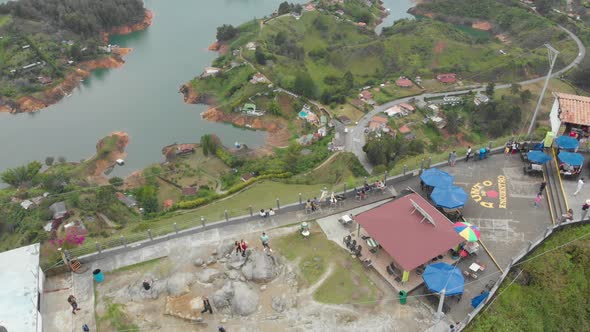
{"x": 21, "y": 175}
{"x": 226, "y": 32}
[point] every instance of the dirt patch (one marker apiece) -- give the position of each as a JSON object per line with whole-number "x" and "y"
{"x": 503, "y": 38}
{"x": 105, "y": 159}
{"x": 191, "y": 96}
{"x": 482, "y": 25}
{"x": 439, "y": 47}
{"x": 276, "y": 127}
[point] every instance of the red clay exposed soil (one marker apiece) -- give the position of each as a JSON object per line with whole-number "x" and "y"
{"x": 482, "y": 25}
{"x": 124, "y": 30}
{"x": 278, "y": 134}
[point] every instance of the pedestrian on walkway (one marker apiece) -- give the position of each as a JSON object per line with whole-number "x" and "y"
{"x": 585, "y": 208}
{"x": 537, "y": 202}
{"x": 542, "y": 187}
{"x": 453, "y": 158}
{"x": 468, "y": 154}
{"x": 580, "y": 185}
{"x": 73, "y": 303}
{"x": 243, "y": 247}
{"x": 146, "y": 285}
{"x": 238, "y": 248}
{"x": 264, "y": 239}
{"x": 206, "y": 306}
{"x": 507, "y": 151}
{"x": 221, "y": 329}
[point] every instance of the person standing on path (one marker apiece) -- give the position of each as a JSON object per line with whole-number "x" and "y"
{"x": 542, "y": 187}
{"x": 243, "y": 247}
{"x": 453, "y": 158}
{"x": 206, "y": 306}
{"x": 73, "y": 303}
{"x": 468, "y": 154}
{"x": 264, "y": 239}
{"x": 238, "y": 248}
{"x": 537, "y": 202}
{"x": 585, "y": 208}
{"x": 507, "y": 152}
{"x": 580, "y": 185}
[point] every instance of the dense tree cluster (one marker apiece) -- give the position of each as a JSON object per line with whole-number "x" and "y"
{"x": 86, "y": 17}
{"x": 21, "y": 175}
{"x": 286, "y": 8}
{"x": 226, "y": 32}
{"x": 385, "y": 150}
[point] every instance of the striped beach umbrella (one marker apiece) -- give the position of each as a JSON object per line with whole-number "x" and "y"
{"x": 468, "y": 231}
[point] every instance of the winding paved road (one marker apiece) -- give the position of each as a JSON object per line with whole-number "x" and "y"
{"x": 355, "y": 139}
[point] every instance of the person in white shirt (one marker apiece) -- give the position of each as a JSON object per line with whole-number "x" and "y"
{"x": 580, "y": 185}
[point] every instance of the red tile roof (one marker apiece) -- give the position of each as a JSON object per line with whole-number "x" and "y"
{"x": 189, "y": 191}
{"x": 574, "y": 109}
{"x": 405, "y": 235}
{"x": 379, "y": 119}
{"x": 447, "y": 78}
{"x": 403, "y": 82}
{"x": 366, "y": 94}
{"x": 404, "y": 129}
{"x": 407, "y": 107}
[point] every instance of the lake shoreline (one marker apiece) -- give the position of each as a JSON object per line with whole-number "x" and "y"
{"x": 41, "y": 100}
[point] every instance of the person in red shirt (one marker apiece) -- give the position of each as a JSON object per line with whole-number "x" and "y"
{"x": 243, "y": 246}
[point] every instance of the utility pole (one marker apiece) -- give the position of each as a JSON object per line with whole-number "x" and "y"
{"x": 552, "y": 56}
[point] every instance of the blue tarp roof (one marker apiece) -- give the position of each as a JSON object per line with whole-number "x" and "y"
{"x": 439, "y": 276}
{"x": 538, "y": 157}
{"x": 570, "y": 158}
{"x": 436, "y": 178}
{"x": 451, "y": 197}
{"x": 566, "y": 142}
{"x": 476, "y": 301}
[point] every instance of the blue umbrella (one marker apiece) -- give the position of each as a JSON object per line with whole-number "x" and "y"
{"x": 476, "y": 301}
{"x": 538, "y": 157}
{"x": 570, "y": 158}
{"x": 451, "y": 197}
{"x": 436, "y": 178}
{"x": 566, "y": 142}
{"x": 442, "y": 276}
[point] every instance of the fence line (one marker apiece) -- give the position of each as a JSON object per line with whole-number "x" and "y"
{"x": 98, "y": 249}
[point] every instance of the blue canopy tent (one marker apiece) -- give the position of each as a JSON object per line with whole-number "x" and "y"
{"x": 451, "y": 197}
{"x": 566, "y": 142}
{"x": 538, "y": 157}
{"x": 570, "y": 158}
{"x": 441, "y": 277}
{"x": 436, "y": 178}
{"x": 476, "y": 301}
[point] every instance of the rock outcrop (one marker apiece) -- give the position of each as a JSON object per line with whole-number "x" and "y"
{"x": 235, "y": 297}
{"x": 260, "y": 267}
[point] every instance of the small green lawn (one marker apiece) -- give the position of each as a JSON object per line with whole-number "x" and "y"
{"x": 348, "y": 282}
{"x": 551, "y": 292}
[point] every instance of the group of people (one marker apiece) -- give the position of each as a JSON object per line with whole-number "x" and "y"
{"x": 266, "y": 214}
{"x": 510, "y": 148}
{"x": 312, "y": 205}
{"x": 241, "y": 247}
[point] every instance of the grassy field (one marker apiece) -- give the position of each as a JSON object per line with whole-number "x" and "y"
{"x": 348, "y": 282}
{"x": 353, "y": 113}
{"x": 551, "y": 292}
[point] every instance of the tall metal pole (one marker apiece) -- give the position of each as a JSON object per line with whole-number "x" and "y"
{"x": 552, "y": 55}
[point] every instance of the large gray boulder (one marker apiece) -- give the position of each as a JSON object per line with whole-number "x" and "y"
{"x": 282, "y": 303}
{"x": 135, "y": 292}
{"x": 245, "y": 300}
{"x": 179, "y": 283}
{"x": 208, "y": 275}
{"x": 236, "y": 298}
{"x": 235, "y": 262}
{"x": 260, "y": 267}
{"x": 225, "y": 248}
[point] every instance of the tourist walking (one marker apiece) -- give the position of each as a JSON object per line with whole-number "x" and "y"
{"x": 264, "y": 239}
{"x": 468, "y": 154}
{"x": 453, "y": 158}
{"x": 206, "y": 306}
{"x": 580, "y": 185}
{"x": 507, "y": 151}
{"x": 537, "y": 202}
{"x": 243, "y": 247}
{"x": 146, "y": 285}
{"x": 238, "y": 248}
{"x": 73, "y": 303}
{"x": 585, "y": 208}
{"x": 542, "y": 187}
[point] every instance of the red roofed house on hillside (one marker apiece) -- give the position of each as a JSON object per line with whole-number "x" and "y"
{"x": 366, "y": 95}
{"x": 411, "y": 232}
{"x": 573, "y": 111}
{"x": 447, "y": 78}
{"x": 403, "y": 82}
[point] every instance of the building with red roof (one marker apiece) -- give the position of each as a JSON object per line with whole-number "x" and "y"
{"x": 404, "y": 82}
{"x": 447, "y": 78}
{"x": 412, "y": 232}
{"x": 366, "y": 95}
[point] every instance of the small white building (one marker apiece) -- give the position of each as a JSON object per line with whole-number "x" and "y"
{"x": 259, "y": 78}
{"x": 22, "y": 288}
{"x": 210, "y": 71}
{"x": 480, "y": 99}
{"x": 251, "y": 46}
{"x": 26, "y": 204}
